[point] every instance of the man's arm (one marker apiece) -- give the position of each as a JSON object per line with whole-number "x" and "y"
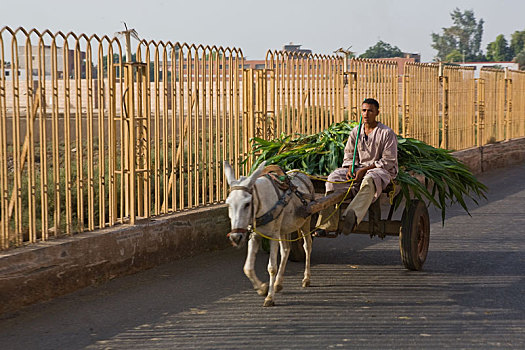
{"x": 388, "y": 160}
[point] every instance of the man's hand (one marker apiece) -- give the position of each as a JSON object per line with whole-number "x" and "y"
{"x": 359, "y": 174}
{"x": 349, "y": 174}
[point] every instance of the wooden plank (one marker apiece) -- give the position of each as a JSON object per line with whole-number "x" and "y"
{"x": 386, "y": 227}
{"x": 325, "y": 202}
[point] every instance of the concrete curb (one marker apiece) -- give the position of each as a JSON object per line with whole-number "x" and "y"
{"x": 46, "y": 270}
{"x": 49, "y": 269}
{"x": 493, "y": 156}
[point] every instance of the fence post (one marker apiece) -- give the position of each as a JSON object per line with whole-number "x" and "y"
{"x": 135, "y": 145}
{"x": 444, "y": 82}
{"x": 249, "y": 121}
{"x": 353, "y": 109}
{"x": 260, "y": 95}
{"x": 406, "y": 107}
{"x": 481, "y": 111}
{"x": 269, "y": 100}
{"x": 508, "y": 116}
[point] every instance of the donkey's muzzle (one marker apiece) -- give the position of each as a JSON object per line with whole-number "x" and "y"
{"x": 237, "y": 236}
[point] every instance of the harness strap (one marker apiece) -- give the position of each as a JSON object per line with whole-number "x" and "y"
{"x": 280, "y": 181}
{"x": 276, "y": 210}
{"x": 282, "y": 201}
{"x": 239, "y": 230}
{"x": 274, "y": 183}
{"x": 300, "y": 194}
{"x": 273, "y": 168}
{"x": 241, "y": 188}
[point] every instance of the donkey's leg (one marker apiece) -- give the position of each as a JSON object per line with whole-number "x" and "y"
{"x": 285, "y": 251}
{"x": 249, "y": 266}
{"x": 307, "y": 245}
{"x": 272, "y": 270}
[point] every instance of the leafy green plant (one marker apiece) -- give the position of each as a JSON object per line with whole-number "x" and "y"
{"x": 425, "y": 172}
{"x": 315, "y": 154}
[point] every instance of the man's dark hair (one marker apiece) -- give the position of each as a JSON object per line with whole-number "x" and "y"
{"x": 371, "y": 101}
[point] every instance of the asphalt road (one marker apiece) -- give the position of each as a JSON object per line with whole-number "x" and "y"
{"x": 471, "y": 294}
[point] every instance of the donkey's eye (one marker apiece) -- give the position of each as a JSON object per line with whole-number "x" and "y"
{"x": 246, "y": 205}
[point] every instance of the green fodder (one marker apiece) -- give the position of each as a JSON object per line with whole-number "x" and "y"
{"x": 445, "y": 180}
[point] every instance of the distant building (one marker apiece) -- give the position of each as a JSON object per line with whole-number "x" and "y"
{"x": 23, "y": 63}
{"x": 8, "y": 71}
{"x": 291, "y": 47}
{"x": 400, "y": 62}
{"x": 479, "y": 65}
{"x": 415, "y": 56}
{"x": 254, "y": 64}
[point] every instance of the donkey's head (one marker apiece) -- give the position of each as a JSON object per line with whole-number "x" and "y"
{"x": 240, "y": 203}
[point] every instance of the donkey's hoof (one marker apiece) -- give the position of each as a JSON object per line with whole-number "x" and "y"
{"x": 263, "y": 289}
{"x": 278, "y": 288}
{"x": 268, "y": 302}
{"x": 306, "y": 283}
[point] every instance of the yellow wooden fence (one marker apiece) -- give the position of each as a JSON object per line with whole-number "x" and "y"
{"x": 421, "y": 101}
{"x": 95, "y": 133}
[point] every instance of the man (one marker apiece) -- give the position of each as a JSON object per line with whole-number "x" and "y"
{"x": 375, "y": 167}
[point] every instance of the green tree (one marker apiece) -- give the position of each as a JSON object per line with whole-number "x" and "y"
{"x": 520, "y": 59}
{"x": 499, "y": 50}
{"x": 517, "y": 42}
{"x": 454, "y": 56}
{"x": 465, "y": 36}
{"x": 382, "y": 50}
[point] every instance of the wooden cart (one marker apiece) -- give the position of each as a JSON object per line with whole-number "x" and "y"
{"x": 413, "y": 229}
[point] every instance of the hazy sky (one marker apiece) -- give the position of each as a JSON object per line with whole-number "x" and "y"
{"x": 255, "y": 26}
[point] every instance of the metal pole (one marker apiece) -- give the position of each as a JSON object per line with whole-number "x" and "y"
{"x": 356, "y": 142}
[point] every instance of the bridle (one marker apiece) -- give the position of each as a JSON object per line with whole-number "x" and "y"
{"x": 283, "y": 199}
{"x": 276, "y": 210}
{"x": 241, "y": 188}
{"x": 247, "y": 190}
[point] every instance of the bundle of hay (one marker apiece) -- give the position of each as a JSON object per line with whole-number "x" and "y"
{"x": 445, "y": 180}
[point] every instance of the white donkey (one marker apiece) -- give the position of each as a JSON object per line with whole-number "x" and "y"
{"x": 257, "y": 198}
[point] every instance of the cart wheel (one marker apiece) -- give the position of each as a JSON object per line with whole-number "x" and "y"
{"x": 415, "y": 235}
{"x": 296, "y": 248}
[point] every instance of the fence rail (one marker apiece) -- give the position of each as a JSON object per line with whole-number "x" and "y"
{"x": 93, "y": 135}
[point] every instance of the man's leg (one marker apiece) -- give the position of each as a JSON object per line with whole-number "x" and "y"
{"x": 357, "y": 209}
{"x": 329, "y": 217}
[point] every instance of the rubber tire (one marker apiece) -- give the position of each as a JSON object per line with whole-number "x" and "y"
{"x": 297, "y": 253}
{"x": 414, "y": 236}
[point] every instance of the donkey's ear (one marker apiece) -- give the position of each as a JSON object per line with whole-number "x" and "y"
{"x": 257, "y": 173}
{"x": 228, "y": 171}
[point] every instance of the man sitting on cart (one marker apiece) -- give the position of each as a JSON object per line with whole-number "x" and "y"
{"x": 374, "y": 168}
